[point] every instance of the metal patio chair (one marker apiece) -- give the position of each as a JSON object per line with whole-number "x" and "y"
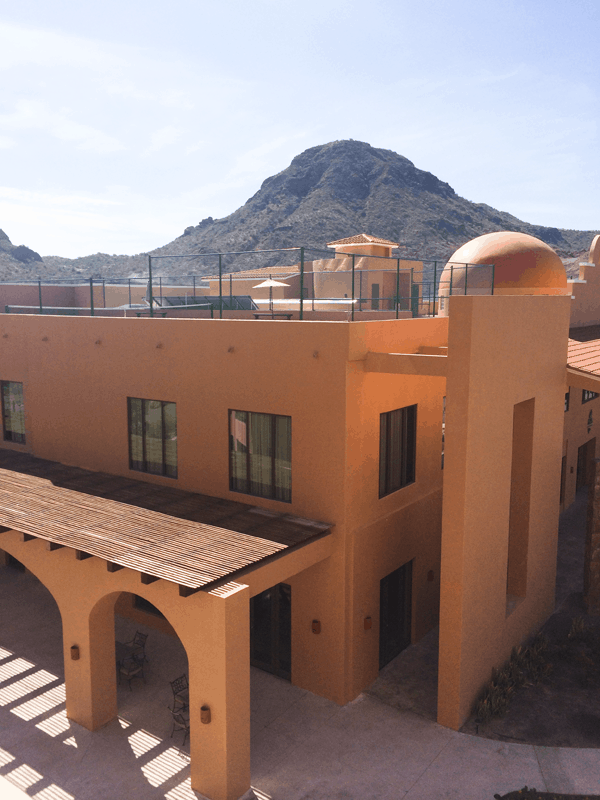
{"x": 131, "y": 668}
{"x": 138, "y": 646}
{"x": 180, "y": 723}
{"x": 181, "y": 693}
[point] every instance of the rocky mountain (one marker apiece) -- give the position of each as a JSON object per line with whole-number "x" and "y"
{"x": 18, "y": 260}
{"x": 329, "y": 192}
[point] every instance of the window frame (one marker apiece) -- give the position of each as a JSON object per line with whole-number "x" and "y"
{"x": 9, "y": 435}
{"x": 234, "y": 481}
{"x": 165, "y": 467}
{"x": 407, "y": 447}
{"x": 587, "y": 395}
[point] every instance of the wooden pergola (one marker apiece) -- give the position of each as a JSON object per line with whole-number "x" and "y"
{"x": 170, "y": 546}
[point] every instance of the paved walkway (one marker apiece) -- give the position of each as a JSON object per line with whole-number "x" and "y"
{"x": 303, "y": 747}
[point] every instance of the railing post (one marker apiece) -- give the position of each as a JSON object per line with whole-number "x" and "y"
{"x": 104, "y": 292}
{"x": 150, "y": 285}
{"x": 129, "y": 287}
{"x": 40, "y": 295}
{"x": 397, "y": 285}
{"x": 92, "y": 297}
{"x": 451, "y": 277}
{"x": 360, "y": 272}
{"x": 466, "y": 273}
{"x": 353, "y": 275}
{"x": 194, "y": 284}
{"x": 220, "y": 287}
{"x": 161, "y": 297}
{"x": 434, "y": 284}
{"x": 301, "y": 283}
{"x": 493, "y": 276}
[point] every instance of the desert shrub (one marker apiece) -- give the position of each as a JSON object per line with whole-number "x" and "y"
{"x": 526, "y": 665}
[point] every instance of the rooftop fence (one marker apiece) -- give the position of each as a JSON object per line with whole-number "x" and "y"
{"x": 317, "y": 280}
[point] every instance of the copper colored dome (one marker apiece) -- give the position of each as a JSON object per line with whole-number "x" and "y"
{"x": 520, "y": 261}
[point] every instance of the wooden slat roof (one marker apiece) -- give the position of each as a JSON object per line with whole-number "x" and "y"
{"x": 117, "y": 519}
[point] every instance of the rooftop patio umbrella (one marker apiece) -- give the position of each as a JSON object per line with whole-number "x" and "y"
{"x": 270, "y": 283}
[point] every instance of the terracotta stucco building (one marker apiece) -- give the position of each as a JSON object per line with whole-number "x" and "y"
{"x": 326, "y": 492}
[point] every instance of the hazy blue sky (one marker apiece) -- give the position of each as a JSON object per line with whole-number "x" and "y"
{"x": 123, "y": 122}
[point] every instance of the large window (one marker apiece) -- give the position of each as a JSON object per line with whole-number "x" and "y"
{"x": 13, "y": 412}
{"x": 152, "y": 436}
{"x": 397, "y": 449}
{"x": 260, "y": 454}
{"x": 586, "y": 395}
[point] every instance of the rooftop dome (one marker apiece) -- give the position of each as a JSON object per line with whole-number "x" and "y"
{"x": 594, "y": 256}
{"x": 522, "y": 264}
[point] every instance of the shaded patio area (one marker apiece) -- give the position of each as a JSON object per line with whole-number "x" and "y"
{"x": 134, "y": 756}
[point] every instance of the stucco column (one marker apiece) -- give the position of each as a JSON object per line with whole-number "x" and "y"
{"x": 90, "y": 681}
{"x": 219, "y": 663}
{"x": 591, "y": 570}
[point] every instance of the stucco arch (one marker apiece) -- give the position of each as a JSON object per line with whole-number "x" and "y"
{"x": 213, "y": 628}
{"x": 33, "y": 564}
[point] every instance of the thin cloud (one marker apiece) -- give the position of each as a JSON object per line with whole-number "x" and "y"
{"x": 37, "y": 115}
{"x": 164, "y": 137}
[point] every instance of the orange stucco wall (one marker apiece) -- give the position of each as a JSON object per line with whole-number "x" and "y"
{"x": 586, "y": 290}
{"x": 78, "y": 372}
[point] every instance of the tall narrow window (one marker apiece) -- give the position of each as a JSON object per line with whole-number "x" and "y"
{"x": 152, "y": 436}
{"x": 260, "y": 454}
{"x": 397, "y": 449}
{"x": 13, "y": 412}
{"x": 443, "y": 429}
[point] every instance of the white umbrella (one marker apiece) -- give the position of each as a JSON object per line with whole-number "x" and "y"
{"x": 270, "y": 283}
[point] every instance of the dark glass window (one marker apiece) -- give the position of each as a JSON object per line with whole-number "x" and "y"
{"x": 152, "y": 436}
{"x": 567, "y": 398}
{"x": 260, "y": 454}
{"x": 586, "y": 395}
{"x": 13, "y": 412}
{"x": 397, "y": 449}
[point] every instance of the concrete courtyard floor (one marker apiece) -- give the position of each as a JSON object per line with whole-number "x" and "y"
{"x": 383, "y": 745}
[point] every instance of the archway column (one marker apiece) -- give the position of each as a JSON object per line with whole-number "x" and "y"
{"x": 91, "y": 695}
{"x": 219, "y": 663}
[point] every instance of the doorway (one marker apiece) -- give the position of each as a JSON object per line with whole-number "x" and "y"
{"x": 585, "y": 455}
{"x": 395, "y": 592}
{"x": 375, "y": 297}
{"x": 271, "y": 630}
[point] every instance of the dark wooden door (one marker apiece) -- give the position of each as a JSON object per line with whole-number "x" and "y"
{"x": 395, "y": 592}
{"x": 585, "y": 455}
{"x": 271, "y": 630}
